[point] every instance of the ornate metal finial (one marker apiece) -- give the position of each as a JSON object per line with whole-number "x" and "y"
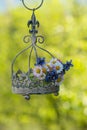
{"x": 34, "y": 24}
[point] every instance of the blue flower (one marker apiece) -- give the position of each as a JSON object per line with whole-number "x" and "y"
{"x": 67, "y": 65}
{"x": 51, "y": 76}
{"x": 40, "y": 61}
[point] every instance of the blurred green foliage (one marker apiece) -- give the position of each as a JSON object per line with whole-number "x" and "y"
{"x": 65, "y": 30}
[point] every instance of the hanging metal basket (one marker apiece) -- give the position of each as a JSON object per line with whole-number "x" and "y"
{"x": 45, "y": 77}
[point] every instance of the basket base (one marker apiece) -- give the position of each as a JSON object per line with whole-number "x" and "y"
{"x": 37, "y": 90}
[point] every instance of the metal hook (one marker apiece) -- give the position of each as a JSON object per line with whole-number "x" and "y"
{"x": 32, "y": 8}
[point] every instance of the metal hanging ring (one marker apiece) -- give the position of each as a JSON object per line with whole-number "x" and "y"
{"x": 32, "y": 8}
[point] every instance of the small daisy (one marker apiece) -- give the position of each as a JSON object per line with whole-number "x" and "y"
{"x": 49, "y": 66}
{"x": 42, "y": 77}
{"x": 53, "y": 61}
{"x": 58, "y": 66}
{"x": 44, "y": 69}
{"x": 37, "y": 71}
{"x": 59, "y": 80}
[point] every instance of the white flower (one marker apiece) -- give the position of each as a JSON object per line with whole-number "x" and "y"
{"x": 37, "y": 71}
{"x": 42, "y": 77}
{"x": 59, "y": 80}
{"x": 44, "y": 69}
{"x": 58, "y": 66}
{"x": 49, "y": 66}
{"x": 40, "y": 72}
{"x": 53, "y": 61}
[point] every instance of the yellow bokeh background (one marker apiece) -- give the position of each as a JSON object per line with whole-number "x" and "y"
{"x": 64, "y": 26}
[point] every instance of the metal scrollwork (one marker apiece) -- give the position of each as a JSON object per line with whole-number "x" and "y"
{"x": 27, "y": 39}
{"x": 40, "y": 39}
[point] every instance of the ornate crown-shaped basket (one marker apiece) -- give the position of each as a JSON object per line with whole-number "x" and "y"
{"x": 45, "y": 77}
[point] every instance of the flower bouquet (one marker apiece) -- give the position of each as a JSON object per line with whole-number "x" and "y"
{"x": 52, "y": 71}
{"x": 44, "y": 78}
